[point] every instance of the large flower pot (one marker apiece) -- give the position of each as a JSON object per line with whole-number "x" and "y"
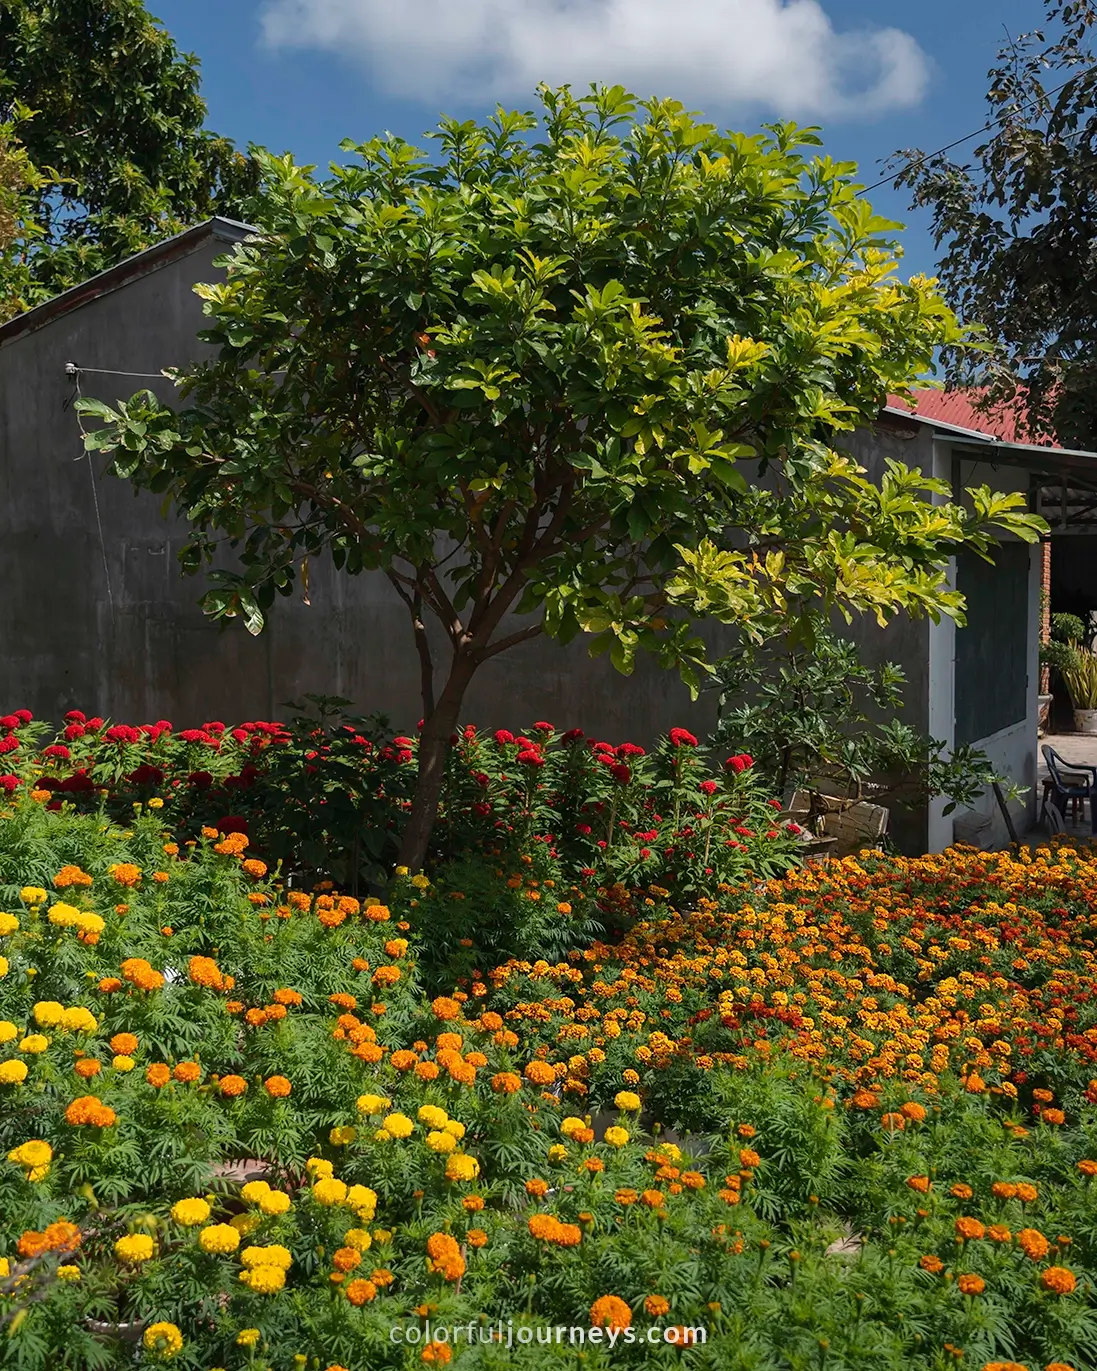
{"x": 1085, "y": 721}
{"x": 1045, "y": 709}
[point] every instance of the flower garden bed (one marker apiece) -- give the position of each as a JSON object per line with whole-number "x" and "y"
{"x": 880, "y": 1079}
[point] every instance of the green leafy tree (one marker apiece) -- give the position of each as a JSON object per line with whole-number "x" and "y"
{"x": 576, "y": 374}
{"x": 19, "y": 182}
{"x": 119, "y": 127}
{"x": 1017, "y": 224}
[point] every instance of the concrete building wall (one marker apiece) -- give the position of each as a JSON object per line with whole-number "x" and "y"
{"x": 97, "y": 616}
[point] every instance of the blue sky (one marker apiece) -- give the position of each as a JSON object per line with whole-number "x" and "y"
{"x": 300, "y": 75}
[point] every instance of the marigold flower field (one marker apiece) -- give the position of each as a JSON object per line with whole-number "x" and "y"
{"x": 842, "y": 1119}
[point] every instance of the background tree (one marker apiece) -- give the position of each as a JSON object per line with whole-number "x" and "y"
{"x": 590, "y": 378}
{"x": 19, "y": 182}
{"x": 118, "y": 135}
{"x": 1018, "y": 226}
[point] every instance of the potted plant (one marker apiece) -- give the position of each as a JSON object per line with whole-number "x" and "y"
{"x": 1079, "y": 673}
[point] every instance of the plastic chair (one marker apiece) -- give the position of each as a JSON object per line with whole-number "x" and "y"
{"x": 1062, "y": 775}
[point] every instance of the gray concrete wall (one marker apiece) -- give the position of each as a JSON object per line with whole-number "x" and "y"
{"x": 104, "y": 622}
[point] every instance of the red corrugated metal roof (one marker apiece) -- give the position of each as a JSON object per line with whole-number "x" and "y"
{"x": 1006, "y": 422}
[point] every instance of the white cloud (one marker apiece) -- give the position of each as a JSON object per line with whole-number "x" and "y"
{"x": 781, "y": 56}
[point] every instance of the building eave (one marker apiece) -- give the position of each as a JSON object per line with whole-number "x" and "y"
{"x": 114, "y": 278}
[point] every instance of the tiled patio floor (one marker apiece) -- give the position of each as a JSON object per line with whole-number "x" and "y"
{"x": 1079, "y": 748}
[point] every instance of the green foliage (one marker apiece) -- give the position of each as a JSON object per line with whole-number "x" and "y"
{"x": 813, "y": 715}
{"x": 118, "y": 135}
{"x": 1013, "y": 227}
{"x": 19, "y": 180}
{"x": 590, "y": 368}
{"x": 1067, "y": 628}
{"x": 1079, "y": 673}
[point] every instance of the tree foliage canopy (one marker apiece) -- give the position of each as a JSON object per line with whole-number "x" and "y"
{"x": 117, "y": 135}
{"x": 1017, "y": 227}
{"x": 588, "y": 369}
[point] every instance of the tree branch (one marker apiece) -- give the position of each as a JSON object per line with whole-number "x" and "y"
{"x": 512, "y": 640}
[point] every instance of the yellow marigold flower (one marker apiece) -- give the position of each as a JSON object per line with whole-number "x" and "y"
{"x": 272, "y": 1255}
{"x": 441, "y": 1142}
{"x": 134, "y": 1247}
{"x": 13, "y": 1072}
{"x": 557, "y": 1153}
{"x": 342, "y": 1135}
{"x": 362, "y": 1200}
{"x": 432, "y": 1116}
{"x": 247, "y": 1337}
{"x": 7, "y": 1031}
{"x": 329, "y": 1191}
{"x": 123, "y": 1063}
{"x": 617, "y": 1137}
{"x": 319, "y": 1169}
{"x": 264, "y": 1280}
{"x": 190, "y": 1213}
{"x": 457, "y": 1130}
{"x": 8, "y": 924}
{"x": 571, "y": 1127}
{"x": 3, "y": 967}
{"x": 34, "y": 1043}
{"x": 245, "y": 1224}
{"x": 32, "y": 1154}
{"x": 253, "y": 1191}
{"x": 79, "y": 1020}
{"x": 48, "y": 1013}
{"x": 627, "y": 1100}
{"x": 163, "y": 1341}
{"x": 275, "y": 1202}
{"x": 219, "y": 1237}
{"x": 32, "y": 894}
{"x": 358, "y": 1238}
{"x": 398, "y": 1125}
{"x": 461, "y": 1167}
{"x": 68, "y": 1273}
{"x": 372, "y": 1104}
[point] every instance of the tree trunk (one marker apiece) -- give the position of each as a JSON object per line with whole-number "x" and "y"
{"x": 434, "y": 744}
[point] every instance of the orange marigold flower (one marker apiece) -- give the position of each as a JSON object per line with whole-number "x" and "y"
{"x": 124, "y": 1044}
{"x": 254, "y": 868}
{"x": 141, "y": 974}
{"x": 437, "y": 1354}
{"x": 913, "y": 1111}
{"x": 970, "y": 1284}
{"x": 109, "y": 984}
{"x": 1055, "y": 1116}
{"x": 473, "y": 1203}
{"x": 187, "y": 1072}
{"x": 278, "y": 1087}
{"x": 536, "y": 1187}
{"x": 931, "y": 1263}
{"x": 232, "y": 1085}
{"x": 864, "y": 1099}
{"x": 961, "y": 1191}
{"x": 656, "y": 1305}
{"x": 71, "y": 875}
{"x": 1026, "y": 1193}
{"x": 1003, "y": 1190}
{"x": 998, "y": 1232}
{"x": 1033, "y": 1244}
{"x": 610, "y": 1311}
{"x": 445, "y": 1008}
{"x": 287, "y": 996}
{"x": 1058, "y": 1279}
{"x": 893, "y": 1122}
{"x": 1087, "y": 1167}
{"x": 88, "y": 1067}
{"x": 205, "y": 971}
{"x": 426, "y": 1071}
{"x": 359, "y": 1291}
{"x": 968, "y": 1228}
{"x": 158, "y": 1074}
{"x": 922, "y": 1184}
{"x": 90, "y": 1110}
{"x": 476, "y": 1237}
{"x": 346, "y": 1258}
{"x": 403, "y": 1060}
{"x": 540, "y": 1073}
{"x": 256, "y": 1017}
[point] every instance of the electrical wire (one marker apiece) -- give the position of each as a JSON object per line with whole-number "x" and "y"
{"x": 921, "y": 161}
